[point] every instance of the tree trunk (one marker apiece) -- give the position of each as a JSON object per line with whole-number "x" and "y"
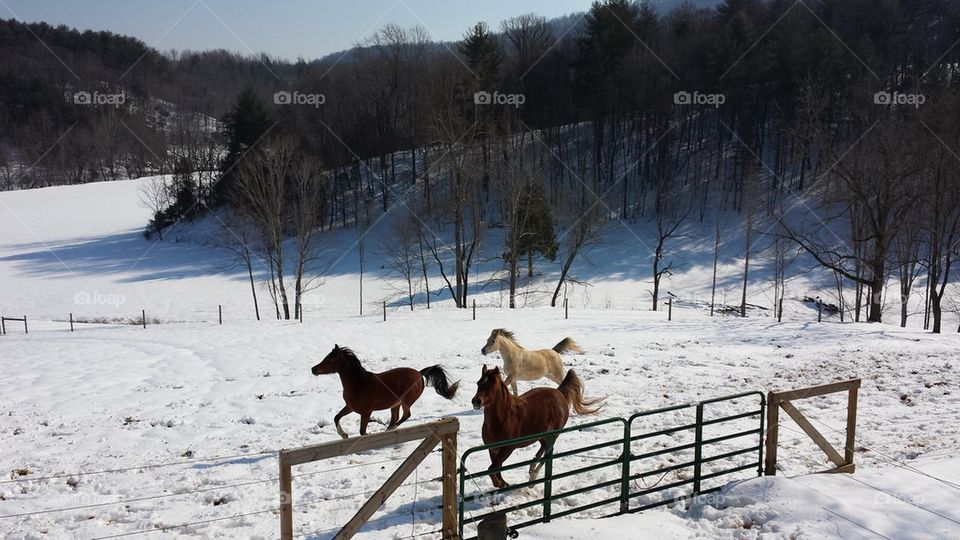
{"x": 253, "y": 287}
{"x": 937, "y": 312}
{"x": 716, "y": 258}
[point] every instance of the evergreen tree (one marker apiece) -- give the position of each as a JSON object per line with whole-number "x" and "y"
{"x": 538, "y": 235}
{"x": 244, "y": 125}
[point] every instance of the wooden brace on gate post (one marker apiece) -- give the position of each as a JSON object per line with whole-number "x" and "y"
{"x": 782, "y": 400}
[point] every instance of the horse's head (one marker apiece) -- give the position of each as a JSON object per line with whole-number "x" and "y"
{"x": 487, "y": 386}
{"x": 332, "y": 363}
{"x": 493, "y": 342}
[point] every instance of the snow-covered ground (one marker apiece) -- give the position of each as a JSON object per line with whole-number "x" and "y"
{"x": 115, "y": 429}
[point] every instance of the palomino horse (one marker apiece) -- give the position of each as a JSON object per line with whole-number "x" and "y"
{"x": 506, "y": 416}
{"x": 524, "y": 365}
{"x": 366, "y": 392}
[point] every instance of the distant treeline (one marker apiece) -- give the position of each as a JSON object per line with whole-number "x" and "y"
{"x": 624, "y": 113}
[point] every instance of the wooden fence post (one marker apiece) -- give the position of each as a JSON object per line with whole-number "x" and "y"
{"x": 566, "y": 308}
{"x": 384, "y": 311}
{"x": 851, "y": 424}
{"x": 286, "y": 500}
{"x": 448, "y": 451}
{"x": 25, "y": 330}
{"x": 773, "y": 430}
{"x": 220, "y": 312}
{"x": 71, "y": 322}
{"x": 143, "y": 317}
{"x": 819, "y": 310}
{"x": 780, "y": 311}
{"x": 670, "y": 309}
{"x": 474, "y": 309}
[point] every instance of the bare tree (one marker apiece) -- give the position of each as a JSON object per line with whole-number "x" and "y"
{"x": 155, "y": 197}
{"x": 716, "y": 261}
{"x": 306, "y": 206}
{"x": 584, "y": 229}
{"x": 404, "y": 255}
{"x": 784, "y": 253}
{"x": 668, "y": 228}
{"x": 237, "y": 235}
{"x": 261, "y": 192}
{"x": 941, "y": 204}
{"x": 871, "y": 181}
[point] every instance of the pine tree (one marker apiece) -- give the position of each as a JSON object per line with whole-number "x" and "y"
{"x": 244, "y": 126}
{"x": 538, "y": 236}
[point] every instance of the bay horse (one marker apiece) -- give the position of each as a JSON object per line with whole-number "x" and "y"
{"x": 524, "y": 365}
{"x": 365, "y": 392}
{"x": 506, "y": 416}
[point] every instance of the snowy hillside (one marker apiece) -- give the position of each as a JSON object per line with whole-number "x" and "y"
{"x": 118, "y": 430}
{"x": 81, "y": 250}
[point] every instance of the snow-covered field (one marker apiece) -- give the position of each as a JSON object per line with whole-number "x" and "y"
{"x": 117, "y": 430}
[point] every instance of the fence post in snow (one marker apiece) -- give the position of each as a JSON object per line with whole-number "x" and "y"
{"x": 670, "y": 309}
{"x": 384, "y": 311}
{"x": 71, "y": 322}
{"x": 220, "y": 312}
{"x": 819, "y": 310}
{"x": 566, "y": 308}
{"x": 143, "y": 318}
{"x": 25, "y": 331}
{"x": 780, "y": 310}
{"x": 474, "y": 309}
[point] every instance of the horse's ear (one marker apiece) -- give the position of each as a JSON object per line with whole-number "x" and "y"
{"x": 484, "y": 368}
{"x": 336, "y": 347}
{"x": 496, "y": 369}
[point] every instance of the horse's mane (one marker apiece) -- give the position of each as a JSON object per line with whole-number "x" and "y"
{"x": 351, "y": 356}
{"x": 507, "y": 334}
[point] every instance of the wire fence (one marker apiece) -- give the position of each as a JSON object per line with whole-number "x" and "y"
{"x": 210, "y": 489}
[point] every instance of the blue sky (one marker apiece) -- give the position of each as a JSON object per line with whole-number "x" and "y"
{"x": 285, "y": 28}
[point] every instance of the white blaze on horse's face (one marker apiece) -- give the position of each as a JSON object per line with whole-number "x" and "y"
{"x": 491, "y": 345}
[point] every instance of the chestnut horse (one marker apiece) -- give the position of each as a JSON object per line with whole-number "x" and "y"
{"x": 506, "y": 416}
{"x": 394, "y": 389}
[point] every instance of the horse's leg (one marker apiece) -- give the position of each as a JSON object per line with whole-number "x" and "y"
{"x": 512, "y": 382}
{"x": 394, "y": 414}
{"x": 537, "y": 460}
{"x": 497, "y": 457}
{"x": 364, "y": 420}
{"x": 336, "y": 421}
{"x": 406, "y": 413}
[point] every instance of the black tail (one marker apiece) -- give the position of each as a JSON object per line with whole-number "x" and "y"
{"x": 437, "y": 378}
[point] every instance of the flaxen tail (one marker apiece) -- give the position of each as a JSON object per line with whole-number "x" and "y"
{"x": 572, "y": 389}
{"x": 567, "y": 344}
{"x": 436, "y": 377}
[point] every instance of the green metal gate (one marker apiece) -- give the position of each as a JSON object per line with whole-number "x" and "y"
{"x": 716, "y": 444}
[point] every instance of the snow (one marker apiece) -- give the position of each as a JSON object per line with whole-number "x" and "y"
{"x": 204, "y": 407}
{"x": 885, "y": 503}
